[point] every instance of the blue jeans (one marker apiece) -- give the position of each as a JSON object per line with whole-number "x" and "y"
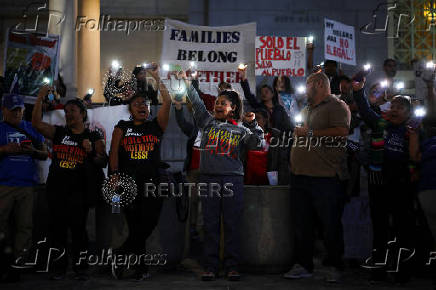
{"x": 230, "y": 206}
{"x": 324, "y": 197}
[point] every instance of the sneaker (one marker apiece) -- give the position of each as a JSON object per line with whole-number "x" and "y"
{"x": 297, "y": 272}
{"x": 141, "y": 276}
{"x": 333, "y": 275}
{"x": 208, "y": 276}
{"x": 233, "y": 275}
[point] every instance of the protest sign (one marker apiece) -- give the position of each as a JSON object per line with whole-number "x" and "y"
{"x": 277, "y": 56}
{"x": 215, "y": 52}
{"x": 339, "y": 42}
{"x": 33, "y": 59}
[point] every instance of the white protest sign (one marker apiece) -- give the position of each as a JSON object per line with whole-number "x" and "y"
{"x": 339, "y": 42}
{"x": 276, "y": 56}
{"x": 216, "y": 52}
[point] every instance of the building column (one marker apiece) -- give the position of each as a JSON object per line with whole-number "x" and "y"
{"x": 88, "y": 49}
{"x": 68, "y": 49}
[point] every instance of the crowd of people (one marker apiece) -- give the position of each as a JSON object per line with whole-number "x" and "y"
{"x": 330, "y": 131}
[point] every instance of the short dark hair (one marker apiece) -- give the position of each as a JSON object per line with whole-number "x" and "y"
{"x": 330, "y": 61}
{"x": 80, "y": 104}
{"x": 226, "y": 85}
{"x": 404, "y": 101}
{"x": 385, "y": 63}
{"x": 236, "y": 100}
{"x": 137, "y": 70}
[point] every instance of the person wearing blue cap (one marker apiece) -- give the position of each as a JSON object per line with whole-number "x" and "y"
{"x": 20, "y": 146}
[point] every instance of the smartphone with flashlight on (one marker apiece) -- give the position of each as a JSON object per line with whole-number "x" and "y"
{"x": 428, "y": 73}
{"x": 50, "y": 95}
{"x": 147, "y": 65}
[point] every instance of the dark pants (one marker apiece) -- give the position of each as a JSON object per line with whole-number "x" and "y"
{"x": 142, "y": 216}
{"x": 67, "y": 211}
{"x": 230, "y": 206}
{"x": 324, "y": 197}
{"x": 391, "y": 199}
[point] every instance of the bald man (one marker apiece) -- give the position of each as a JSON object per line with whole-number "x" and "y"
{"x": 318, "y": 166}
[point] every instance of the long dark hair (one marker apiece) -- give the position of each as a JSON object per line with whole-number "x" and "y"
{"x": 288, "y": 85}
{"x": 236, "y": 100}
{"x": 79, "y": 103}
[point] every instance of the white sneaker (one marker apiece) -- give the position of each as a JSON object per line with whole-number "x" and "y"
{"x": 333, "y": 275}
{"x": 297, "y": 272}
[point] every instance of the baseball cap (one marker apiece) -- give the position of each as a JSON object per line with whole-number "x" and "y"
{"x": 12, "y": 101}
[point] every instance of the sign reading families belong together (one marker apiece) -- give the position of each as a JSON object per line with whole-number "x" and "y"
{"x": 216, "y": 51}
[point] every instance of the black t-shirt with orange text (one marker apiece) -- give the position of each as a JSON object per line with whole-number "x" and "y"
{"x": 139, "y": 153}
{"x": 69, "y": 156}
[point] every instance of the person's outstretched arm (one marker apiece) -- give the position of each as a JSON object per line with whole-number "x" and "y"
{"x": 369, "y": 116}
{"x": 47, "y": 130}
{"x": 186, "y": 127}
{"x": 163, "y": 115}
{"x": 201, "y": 115}
{"x": 252, "y": 100}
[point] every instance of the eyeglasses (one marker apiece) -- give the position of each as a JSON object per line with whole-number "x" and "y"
{"x": 139, "y": 104}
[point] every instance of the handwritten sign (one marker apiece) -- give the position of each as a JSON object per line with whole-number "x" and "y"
{"x": 216, "y": 51}
{"x": 339, "y": 42}
{"x": 277, "y": 56}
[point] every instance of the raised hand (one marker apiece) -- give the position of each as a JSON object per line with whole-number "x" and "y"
{"x": 249, "y": 117}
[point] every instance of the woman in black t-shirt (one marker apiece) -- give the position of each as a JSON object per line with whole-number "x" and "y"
{"x": 73, "y": 147}
{"x": 135, "y": 151}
